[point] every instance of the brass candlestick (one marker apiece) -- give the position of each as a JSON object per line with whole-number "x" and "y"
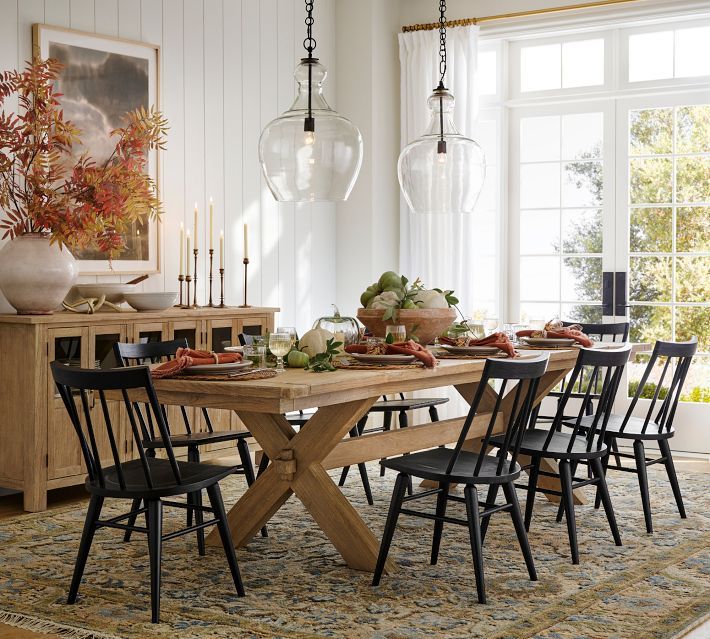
{"x": 245, "y": 261}
{"x": 221, "y": 289}
{"x": 181, "y": 279}
{"x": 211, "y": 252}
{"x": 194, "y": 279}
{"x": 188, "y": 279}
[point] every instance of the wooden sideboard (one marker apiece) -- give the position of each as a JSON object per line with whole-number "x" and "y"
{"x": 39, "y": 450}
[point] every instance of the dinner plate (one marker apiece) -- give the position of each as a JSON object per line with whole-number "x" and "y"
{"x": 233, "y": 349}
{"x": 472, "y": 350}
{"x": 215, "y": 369}
{"x": 383, "y": 359}
{"x": 547, "y": 341}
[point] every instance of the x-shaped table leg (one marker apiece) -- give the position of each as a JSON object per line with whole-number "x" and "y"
{"x": 297, "y": 468}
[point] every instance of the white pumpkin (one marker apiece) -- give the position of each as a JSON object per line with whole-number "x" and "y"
{"x": 315, "y": 341}
{"x": 430, "y": 299}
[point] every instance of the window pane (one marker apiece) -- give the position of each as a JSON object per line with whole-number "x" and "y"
{"x": 693, "y": 229}
{"x": 692, "y": 279}
{"x": 539, "y": 232}
{"x": 539, "y": 186}
{"x": 539, "y": 278}
{"x": 651, "y": 181}
{"x": 650, "y": 279}
{"x": 585, "y": 313}
{"x": 693, "y": 129}
{"x": 697, "y": 383}
{"x": 582, "y": 135}
{"x": 651, "y": 230}
{"x": 487, "y": 76}
{"x": 582, "y": 279}
{"x": 582, "y": 231}
{"x": 530, "y": 312}
{"x": 650, "y": 56}
{"x": 692, "y": 52}
{"x": 693, "y": 321}
{"x": 693, "y": 179}
{"x": 540, "y": 138}
{"x": 540, "y": 67}
{"x": 583, "y": 63}
{"x": 583, "y": 184}
{"x": 650, "y": 131}
{"x": 649, "y": 323}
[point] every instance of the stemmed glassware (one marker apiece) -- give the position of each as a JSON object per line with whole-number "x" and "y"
{"x": 291, "y": 331}
{"x": 280, "y": 344}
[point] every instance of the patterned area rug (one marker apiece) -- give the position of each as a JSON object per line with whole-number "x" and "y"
{"x": 655, "y": 586}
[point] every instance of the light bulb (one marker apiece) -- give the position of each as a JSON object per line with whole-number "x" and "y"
{"x": 309, "y": 138}
{"x": 441, "y": 158}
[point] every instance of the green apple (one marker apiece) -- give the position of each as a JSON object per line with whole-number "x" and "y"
{"x": 389, "y": 279}
{"x": 298, "y": 359}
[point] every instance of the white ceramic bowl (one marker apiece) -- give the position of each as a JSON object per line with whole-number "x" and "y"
{"x": 115, "y": 293}
{"x": 151, "y": 301}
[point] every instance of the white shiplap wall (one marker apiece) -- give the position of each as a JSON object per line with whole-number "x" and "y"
{"x": 227, "y": 69}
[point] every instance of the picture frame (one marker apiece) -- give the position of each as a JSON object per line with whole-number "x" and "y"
{"x": 104, "y": 78}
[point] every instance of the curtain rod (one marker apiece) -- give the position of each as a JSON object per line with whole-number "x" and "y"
{"x": 518, "y": 14}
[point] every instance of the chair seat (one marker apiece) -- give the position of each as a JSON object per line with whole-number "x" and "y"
{"x": 534, "y": 444}
{"x": 632, "y": 430}
{"x": 195, "y": 476}
{"x": 407, "y": 404}
{"x": 198, "y": 439}
{"x": 431, "y": 464}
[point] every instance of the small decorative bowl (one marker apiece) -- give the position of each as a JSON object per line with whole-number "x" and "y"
{"x": 151, "y": 301}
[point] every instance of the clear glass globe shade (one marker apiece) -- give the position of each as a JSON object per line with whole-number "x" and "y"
{"x": 310, "y": 166}
{"x": 435, "y": 182}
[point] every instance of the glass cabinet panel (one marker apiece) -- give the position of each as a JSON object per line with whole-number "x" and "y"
{"x": 221, "y": 337}
{"x": 190, "y": 334}
{"x": 67, "y": 349}
{"x": 104, "y": 357}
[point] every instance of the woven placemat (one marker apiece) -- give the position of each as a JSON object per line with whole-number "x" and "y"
{"x": 481, "y": 356}
{"x": 242, "y": 377}
{"x": 359, "y": 366}
{"x": 544, "y": 348}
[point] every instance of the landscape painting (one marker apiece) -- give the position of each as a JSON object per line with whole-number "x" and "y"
{"x": 103, "y": 79}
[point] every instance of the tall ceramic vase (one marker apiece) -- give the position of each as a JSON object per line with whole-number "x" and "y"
{"x": 36, "y": 276}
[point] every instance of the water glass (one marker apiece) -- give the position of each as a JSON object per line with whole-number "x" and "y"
{"x": 280, "y": 345}
{"x": 256, "y": 354}
{"x": 397, "y": 331}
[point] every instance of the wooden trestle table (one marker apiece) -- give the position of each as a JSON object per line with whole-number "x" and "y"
{"x": 301, "y": 460}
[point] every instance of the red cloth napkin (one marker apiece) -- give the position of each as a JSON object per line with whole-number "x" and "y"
{"x": 410, "y": 347}
{"x": 499, "y": 340}
{"x": 186, "y": 357}
{"x": 555, "y": 330}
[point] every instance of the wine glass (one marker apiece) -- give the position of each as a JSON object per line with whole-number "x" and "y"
{"x": 280, "y": 345}
{"x": 490, "y": 325}
{"x": 291, "y": 331}
{"x": 397, "y": 331}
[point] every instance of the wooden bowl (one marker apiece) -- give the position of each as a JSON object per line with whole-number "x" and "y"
{"x": 426, "y": 323}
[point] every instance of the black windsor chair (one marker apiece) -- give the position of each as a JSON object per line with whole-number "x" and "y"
{"x": 147, "y": 479}
{"x": 456, "y": 466}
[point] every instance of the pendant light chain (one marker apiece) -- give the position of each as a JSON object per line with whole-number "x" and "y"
{"x": 309, "y": 44}
{"x": 441, "y": 146}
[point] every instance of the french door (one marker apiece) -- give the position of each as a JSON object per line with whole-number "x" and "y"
{"x": 610, "y": 221}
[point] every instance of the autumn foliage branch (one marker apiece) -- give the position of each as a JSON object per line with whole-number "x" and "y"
{"x": 44, "y": 188}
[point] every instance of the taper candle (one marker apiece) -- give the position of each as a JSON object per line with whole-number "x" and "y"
{"x": 221, "y": 249}
{"x": 211, "y": 220}
{"x": 246, "y": 241}
{"x": 187, "y": 253}
{"x": 181, "y": 247}
{"x": 195, "y": 232}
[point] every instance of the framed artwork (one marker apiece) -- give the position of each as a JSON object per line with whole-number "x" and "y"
{"x": 103, "y": 79}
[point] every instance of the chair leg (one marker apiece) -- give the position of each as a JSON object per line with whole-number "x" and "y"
{"x": 532, "y": 485}
{"x": 615, "y": 450}
{"x": 386, "y": 426}
{"x": 245, "y": 458}
{"x": 474, "y": 532}
{"x": 520, "y": 530}
{"x": 193, "y": 455}
{"x": 366, "y": 483}
{"x": 640, "y": 455}
{"x": 670, "y": 469}
{"x": 400, "y": 487}
{"x": 155, "y": 546}
{"x": 215, "y": 497}
{"x": 568, "y": 500}
{"x": 611, "y": 443}
{"x": 135, "y": 505}
{"x": 603, "y": 490}
{"x": 441, "y": 502}
{"x": 87, "y": 536}
{"x": 263, "y": 463}
{"x": 433, "y": 414}
{"x": 561, "y": 507}
{"x": 490, "y": 500}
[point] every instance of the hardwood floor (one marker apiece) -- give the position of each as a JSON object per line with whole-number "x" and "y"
{"x": 11, "y": 505}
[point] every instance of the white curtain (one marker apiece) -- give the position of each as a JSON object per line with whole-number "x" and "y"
{"x": 442, "y": 249}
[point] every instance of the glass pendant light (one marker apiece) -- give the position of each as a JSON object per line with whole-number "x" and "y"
{"x": 310, "y": 153}
{"x": 442, "y": 171}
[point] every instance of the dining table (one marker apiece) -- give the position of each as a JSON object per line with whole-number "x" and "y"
{"x": 300, "y": 460}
